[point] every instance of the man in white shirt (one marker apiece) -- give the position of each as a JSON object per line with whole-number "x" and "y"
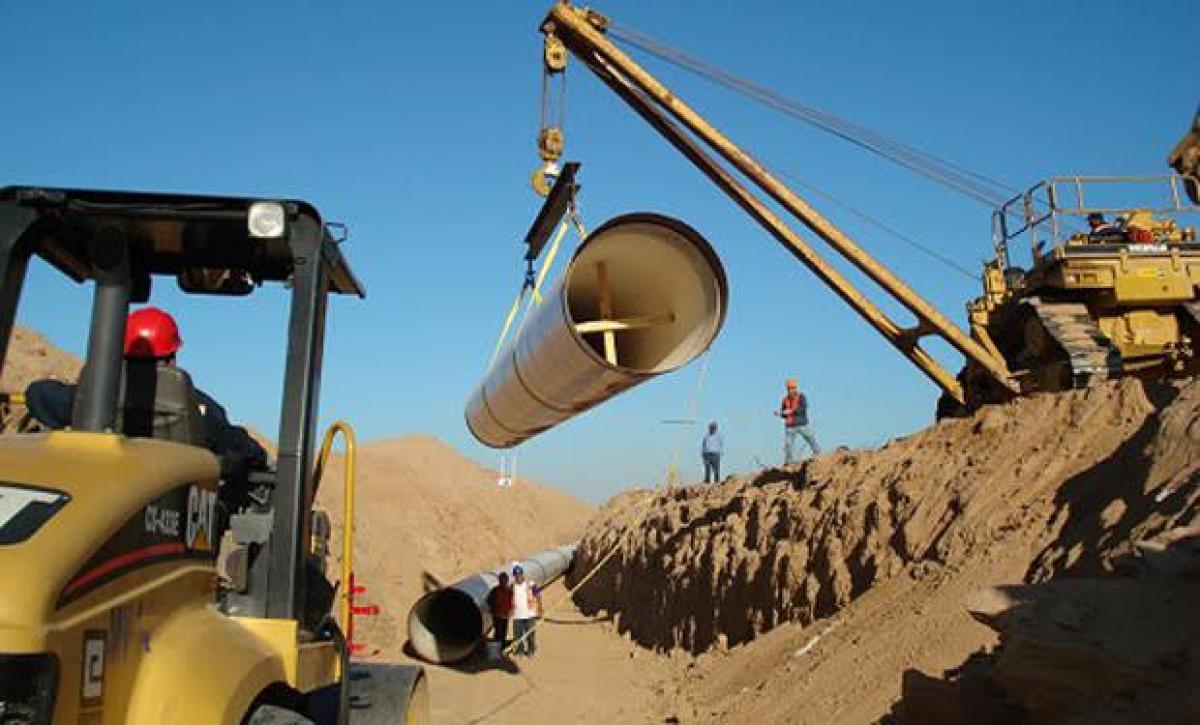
{"x": 526, "y": 606}
{"x": 710, "y": 453}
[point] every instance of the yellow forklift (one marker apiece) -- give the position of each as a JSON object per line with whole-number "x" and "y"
{"x": 112, "y": 610}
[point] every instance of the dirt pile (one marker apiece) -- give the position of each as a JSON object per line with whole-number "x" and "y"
{"x": 885, "y": 547}
{"x": 1075, "y": 650}
{"x": 31, "y": 357}
{"x": 1123, "y": 647}
{"x": 428, "y": 516}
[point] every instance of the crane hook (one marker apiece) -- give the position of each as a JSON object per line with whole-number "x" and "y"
{"x": 550, "y": 148}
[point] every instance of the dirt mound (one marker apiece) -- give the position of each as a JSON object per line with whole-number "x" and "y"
{"x": 886, "y": 546}
{"x": 31, "y": 357}
{"x": 1117, "y": 650}
{"x": 428, "y": 516}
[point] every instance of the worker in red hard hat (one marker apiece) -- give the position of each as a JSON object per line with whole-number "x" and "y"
{"x": 152, "y": 334}
{"x": 794, "y": 411}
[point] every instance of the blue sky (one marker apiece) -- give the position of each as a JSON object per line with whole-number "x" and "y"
{"x": 414, "y": 123}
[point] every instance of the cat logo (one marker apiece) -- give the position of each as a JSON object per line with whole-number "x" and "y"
{"x": 201, "y": 518}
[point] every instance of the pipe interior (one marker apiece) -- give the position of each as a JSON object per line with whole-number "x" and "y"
{"x": 445, "y": 626}
{"x": 652, "y": 270}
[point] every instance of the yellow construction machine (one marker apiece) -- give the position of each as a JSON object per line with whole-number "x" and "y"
{"x": 112, "y": 610}
{"x": 1090, "y": 304}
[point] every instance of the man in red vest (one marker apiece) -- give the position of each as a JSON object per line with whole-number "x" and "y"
{"x": 500, "y": 602}
{"x": 794, "y": 411}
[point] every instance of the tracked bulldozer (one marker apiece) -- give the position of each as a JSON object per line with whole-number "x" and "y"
{"x": 112, "y": 608}
{"x": 1118, "y": 299}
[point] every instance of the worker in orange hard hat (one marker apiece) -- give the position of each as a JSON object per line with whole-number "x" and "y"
{"x": 794, "y": 412}
{"x": 152, "y": 335}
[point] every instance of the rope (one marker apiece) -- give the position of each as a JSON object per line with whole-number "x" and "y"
{"x": 693, "y": 405}
{"x": 531, "y": 283}
{"x": 643, "y": 508}
{"x": 508, "y": 320}
{"x": 550, "y": 255}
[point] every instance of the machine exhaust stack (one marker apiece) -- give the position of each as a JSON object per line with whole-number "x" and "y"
{"x": 447, "y": 625}
{"x": 643, "y": 295}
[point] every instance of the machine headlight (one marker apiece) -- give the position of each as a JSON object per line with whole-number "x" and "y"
{"x": 266, "y": 220}
{"x": 27, "y": 688}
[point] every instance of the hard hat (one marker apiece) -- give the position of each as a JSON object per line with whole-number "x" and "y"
{"x": 1095, "y": 217}
{"x": 791, "y": 382}
{"x": 151, "y": 333}
{"x": 518, "y": 570}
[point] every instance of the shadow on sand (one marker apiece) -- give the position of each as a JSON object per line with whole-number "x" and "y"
{"x": 477, "y": 662}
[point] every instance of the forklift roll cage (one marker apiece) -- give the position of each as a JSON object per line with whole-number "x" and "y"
{"x": 120, "y": 240}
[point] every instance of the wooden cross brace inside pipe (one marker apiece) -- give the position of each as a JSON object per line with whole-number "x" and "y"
{"x": 625, "y": 323}
{"x": 608, "y": 325}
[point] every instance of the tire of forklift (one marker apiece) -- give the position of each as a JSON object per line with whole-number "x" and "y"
{"x": 273, "y": 715}
{"x": 386, "y": 693}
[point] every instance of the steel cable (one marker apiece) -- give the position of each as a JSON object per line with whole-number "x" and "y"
{"x": 973, "y": 184}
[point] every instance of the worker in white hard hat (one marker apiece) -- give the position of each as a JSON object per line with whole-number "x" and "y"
{"x": 526, "y": 607}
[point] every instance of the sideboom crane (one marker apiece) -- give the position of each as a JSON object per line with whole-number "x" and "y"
{"x": 582, "y": 32}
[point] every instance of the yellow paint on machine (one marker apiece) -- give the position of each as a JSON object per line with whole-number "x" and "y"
{"x": 146, "y": 645}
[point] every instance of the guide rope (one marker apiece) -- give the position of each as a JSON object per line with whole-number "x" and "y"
{"x": 642, "y": 508}
{"x": 532, "y": 284}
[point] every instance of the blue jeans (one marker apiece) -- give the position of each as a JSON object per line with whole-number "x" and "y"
{"x": 520, "y": 627}
{"x": 789, "y": 440}
{"x": 712, "y": 467}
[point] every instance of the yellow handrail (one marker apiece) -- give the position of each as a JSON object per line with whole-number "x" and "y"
{"x": 347, "y": 432}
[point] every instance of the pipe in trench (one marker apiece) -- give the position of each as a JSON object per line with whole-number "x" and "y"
{"x": 651, "y": 280}
{"x": 448, "y": 624}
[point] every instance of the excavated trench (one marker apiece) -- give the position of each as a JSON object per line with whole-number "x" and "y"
{"x": 1074, "y": 473}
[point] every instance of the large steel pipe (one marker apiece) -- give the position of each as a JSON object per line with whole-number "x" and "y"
{"x": 447, "y": 625}
{"x": 643, "y": 295}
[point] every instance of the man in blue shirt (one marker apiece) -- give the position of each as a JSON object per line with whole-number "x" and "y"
{"x": 710, "y": 452}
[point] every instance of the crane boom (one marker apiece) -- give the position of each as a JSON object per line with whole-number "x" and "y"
{"x": 581, "y": 31}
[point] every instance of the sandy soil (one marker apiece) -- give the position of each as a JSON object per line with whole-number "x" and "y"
{"x": 584, "y": 672}
{"x": 427, "y": 516}
{"x": 31, "y": 357}
{"x": 808, "y": 593}
{"x": 980, "y": 570}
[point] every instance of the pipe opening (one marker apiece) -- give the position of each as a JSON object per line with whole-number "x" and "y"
{"x": 659, "y": 283}
{"x": 644, "y": 294}
{"x": 445, "y": 626}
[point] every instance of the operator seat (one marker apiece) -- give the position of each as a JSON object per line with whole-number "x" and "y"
{"x": 157, "y": 400}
